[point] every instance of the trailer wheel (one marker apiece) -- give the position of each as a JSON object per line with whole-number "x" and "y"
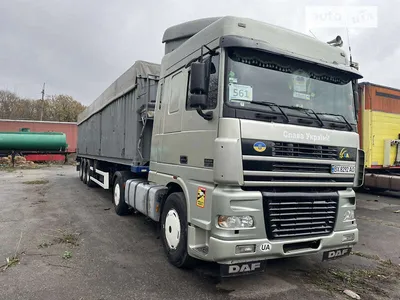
{"x": 81, "y": 170}
{"x": 85, "y": 162}
{"x": 89, "y": 183}
{"x": 120, "y": 206}
{"x": 174, "y": 231}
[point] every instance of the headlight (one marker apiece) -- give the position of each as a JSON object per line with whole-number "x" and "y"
{"x": 348, "y": 216}
{"x": 235, "y": 221}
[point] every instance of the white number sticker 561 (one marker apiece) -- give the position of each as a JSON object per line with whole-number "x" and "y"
{"x": 240, "y": 92}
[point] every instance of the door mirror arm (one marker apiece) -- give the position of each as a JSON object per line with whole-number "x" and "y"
{"x": 205, "y": 115}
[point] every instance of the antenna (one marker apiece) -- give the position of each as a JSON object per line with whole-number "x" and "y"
{"x": 348, "y": 41}
{"x": 312, "y": 34}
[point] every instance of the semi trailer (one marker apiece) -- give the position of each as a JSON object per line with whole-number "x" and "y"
{"x": 379, "y": 129}
{"x": 242, "y": 144}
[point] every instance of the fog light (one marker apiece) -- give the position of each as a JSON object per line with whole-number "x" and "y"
{"x": 348, "y": 216}
{"x": 235, "y": 222}
{"x": 348, "y": 237}
{"x": 245, "y": 249}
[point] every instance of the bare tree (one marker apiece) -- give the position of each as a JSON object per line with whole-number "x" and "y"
{"x": 62, "y": 108}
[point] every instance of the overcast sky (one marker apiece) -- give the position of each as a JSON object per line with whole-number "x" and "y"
{"x": 79, "y": 47}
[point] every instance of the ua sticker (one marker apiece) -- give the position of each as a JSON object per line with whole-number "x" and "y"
{"x": 201, "y": 197}
{"x": 259, "y": 146}
{"x": 265, "y": 247}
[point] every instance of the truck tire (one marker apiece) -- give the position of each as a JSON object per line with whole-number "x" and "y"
{"x": 89, "y": 183}
{"x": 81, "y": 170}
{"x": 84, "y": 171}
{"x": 174, "y": 231}
{"x": 120, "y": 206}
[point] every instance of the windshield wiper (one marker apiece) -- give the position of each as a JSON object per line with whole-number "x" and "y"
{"x": 306, "y": 111}
{"x": 272, "y": 104}
{"x": 341, "y": 116}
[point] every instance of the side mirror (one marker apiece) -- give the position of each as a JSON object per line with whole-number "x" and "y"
{"x": 356, "y": 102}
{"x": 199, "y": 80}
{"x": 198, "y": 101}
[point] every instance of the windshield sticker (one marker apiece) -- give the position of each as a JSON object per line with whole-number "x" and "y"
{"x": 300, "y": 84}
{"x": 231, "y": 77}
{"x": 300, "y": 81}
{"x": 301, "y": 96}
{"x": 240, "y": 92}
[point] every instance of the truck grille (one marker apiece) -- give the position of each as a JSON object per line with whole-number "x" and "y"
{"x": 294, "y": 214}
{"x": 281, "y": 149}
{"x": 279, "y": 166}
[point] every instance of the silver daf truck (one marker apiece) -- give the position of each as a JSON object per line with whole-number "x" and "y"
{"x": 242, "y": 144}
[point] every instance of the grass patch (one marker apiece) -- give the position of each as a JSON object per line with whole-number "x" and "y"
{"x": 365, "y": 255}
{"x": 7, "y": 169}
{"x": 42, "y": 181}
{"x": 67, "y": 255}
{"x": 68, "y": 238}
{"x": 45, "y": 245}
{"x": 11, "y": 262}
{"x": 14, "y": 260}
{"x": 10, "y": 169}
{"x": 365, "y": 282}
{"x": 63, "y": 237}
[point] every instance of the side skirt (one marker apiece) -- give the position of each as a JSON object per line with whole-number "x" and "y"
{"x": 106, "y": 176}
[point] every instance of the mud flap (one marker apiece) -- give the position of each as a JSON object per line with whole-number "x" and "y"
{"x": 242, "y": 268}
{"x": 335, "y": 254}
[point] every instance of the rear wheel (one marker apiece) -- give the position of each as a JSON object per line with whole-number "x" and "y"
{"x": 85, "y": 162}
{"x": 81, "y": 170}
{"x": 174, "y": 231}
{"x": 120, "y": 206}
{"x": 88, "y": 174}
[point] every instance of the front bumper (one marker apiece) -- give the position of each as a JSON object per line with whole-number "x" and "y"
{"x": 224, "y": 251}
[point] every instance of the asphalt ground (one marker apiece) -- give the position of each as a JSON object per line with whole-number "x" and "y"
{"x": 63, "y": 240}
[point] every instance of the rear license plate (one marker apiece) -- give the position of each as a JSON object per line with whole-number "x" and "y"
{"x": 242, "y": 268}
{"x": 342, "y": 169}
{"x": 334, "y": 254}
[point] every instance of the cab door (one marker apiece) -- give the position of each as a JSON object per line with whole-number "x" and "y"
{"x": 174, "y": 99}
{"x": 198, "y": 133}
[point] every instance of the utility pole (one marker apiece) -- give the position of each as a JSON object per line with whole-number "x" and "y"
{"x": 41, "y": 112}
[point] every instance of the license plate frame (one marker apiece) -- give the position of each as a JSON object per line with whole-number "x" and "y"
{"x": 343, "y": 169}
{"x": 336, "y": 253}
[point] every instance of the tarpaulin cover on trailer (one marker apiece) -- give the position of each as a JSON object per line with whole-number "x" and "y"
{"x": 124, "y": 83}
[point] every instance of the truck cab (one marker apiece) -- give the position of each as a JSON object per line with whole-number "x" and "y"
{"x": 255, "y": 127}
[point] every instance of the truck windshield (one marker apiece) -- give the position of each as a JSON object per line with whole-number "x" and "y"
{"x": 253, "y": 76}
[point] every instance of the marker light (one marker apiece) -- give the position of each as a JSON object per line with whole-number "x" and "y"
{"x": 348, "y": 237}
{"x": 245, "y": 249}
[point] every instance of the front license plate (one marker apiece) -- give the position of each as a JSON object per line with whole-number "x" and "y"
{"x": 340, "y": 169}
{"x": 334, "y": 254}
{"x": 242, "y": 268}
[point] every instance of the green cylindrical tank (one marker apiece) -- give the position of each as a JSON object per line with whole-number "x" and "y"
{"x": 33, "y": 141}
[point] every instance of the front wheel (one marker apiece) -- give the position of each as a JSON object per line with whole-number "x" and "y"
{"x": 120, "y": 206}
{"x": 174, "y": 231}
